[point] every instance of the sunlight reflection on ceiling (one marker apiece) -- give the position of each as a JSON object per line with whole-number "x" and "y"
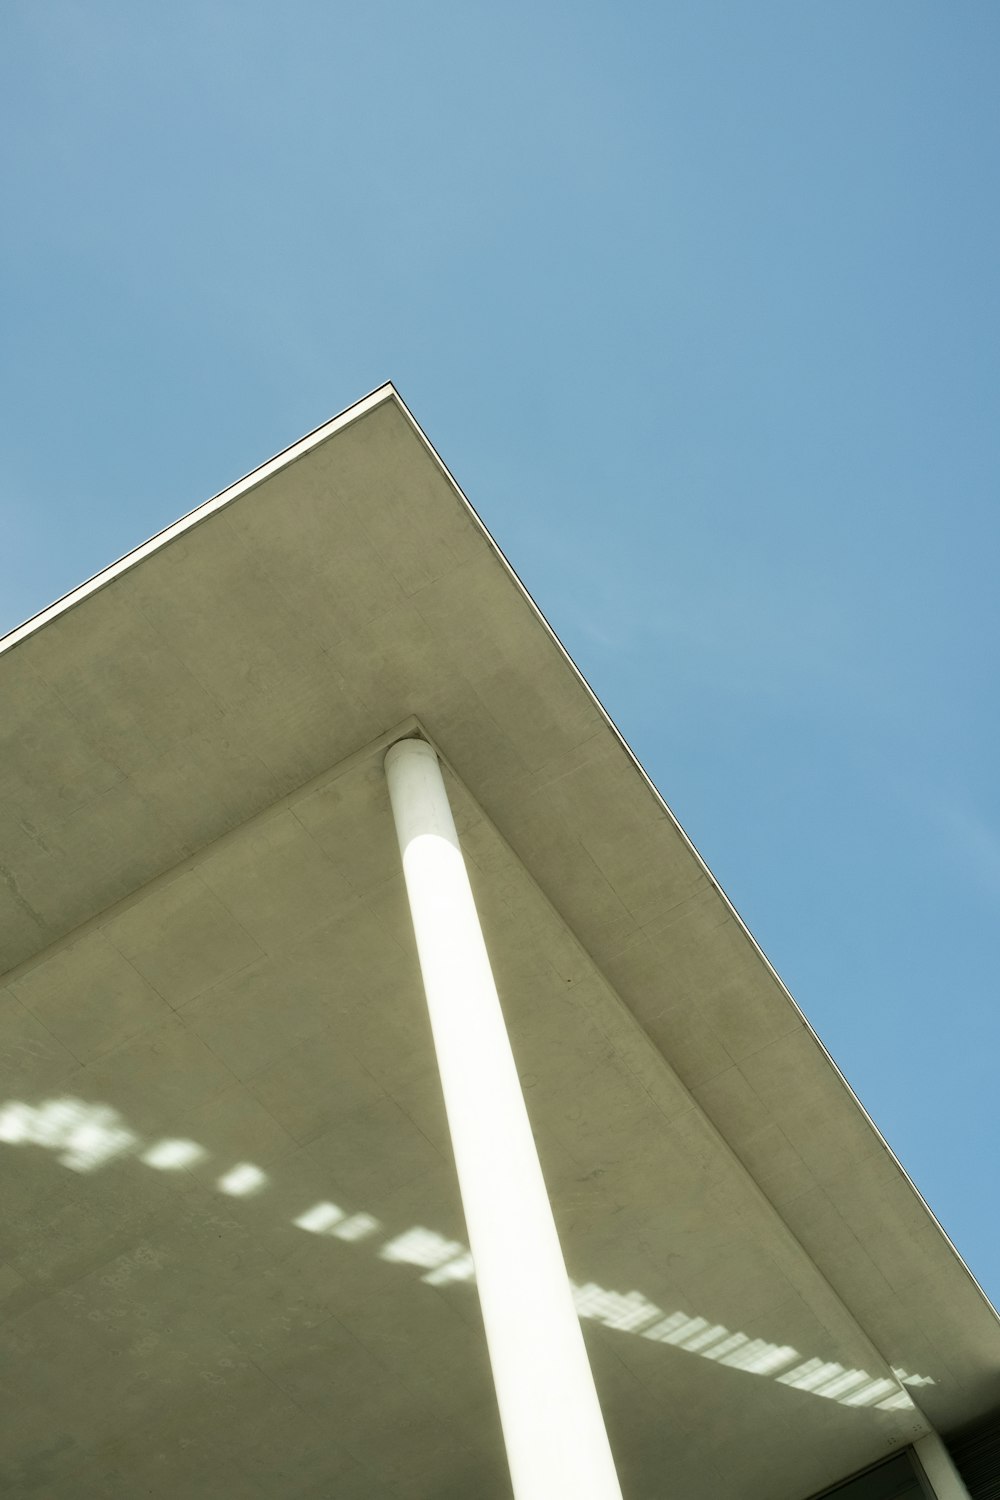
{"x": 89, "y": 1136}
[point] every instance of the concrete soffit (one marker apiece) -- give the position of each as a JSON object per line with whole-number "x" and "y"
{"x": 773, "y": 1091}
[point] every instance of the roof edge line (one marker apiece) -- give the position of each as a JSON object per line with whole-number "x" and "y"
{"x": 280, "y": 460}
{"x": 659, "y": 798}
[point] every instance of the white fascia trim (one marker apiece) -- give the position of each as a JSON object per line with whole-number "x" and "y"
{"x": 661, "y": 801}
{"x": 381, "y": 394}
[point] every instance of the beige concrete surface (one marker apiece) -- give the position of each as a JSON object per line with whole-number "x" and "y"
{"x": 232, "y": 1251}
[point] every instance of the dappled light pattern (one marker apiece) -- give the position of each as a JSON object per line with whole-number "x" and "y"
{"x": 171, "y": 1156}
{"x": 631, "y": 1313}
{"x": 327, "y": 1218}
{"x": 242, "y": 1181}
{"x": 445, "y": 1260}
{"x": 87, "y": 1137}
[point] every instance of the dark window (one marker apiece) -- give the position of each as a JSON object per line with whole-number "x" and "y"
{"x": 893, "y": 1480}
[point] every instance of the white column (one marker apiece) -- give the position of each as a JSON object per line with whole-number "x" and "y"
{"x": 944, "y": 1479}
{"x": 552, "y": 1423}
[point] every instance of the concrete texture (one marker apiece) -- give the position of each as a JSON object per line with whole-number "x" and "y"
{"x": 210, "y": 975}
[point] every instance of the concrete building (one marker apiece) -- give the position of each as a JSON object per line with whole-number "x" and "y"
{"x": 234, "y": 1250}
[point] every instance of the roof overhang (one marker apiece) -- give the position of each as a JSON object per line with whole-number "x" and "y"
{"x": 175, "y": 725}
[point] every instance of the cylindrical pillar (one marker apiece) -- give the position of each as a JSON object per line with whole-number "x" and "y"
{"x": 552, "y": 1423}
{"x": 945, "y": 1481}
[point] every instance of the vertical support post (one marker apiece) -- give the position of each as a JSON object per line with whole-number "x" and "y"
{"x": 552, "y": 1423}
{"x": 945, "y": 1482}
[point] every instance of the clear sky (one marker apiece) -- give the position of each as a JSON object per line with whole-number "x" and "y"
{"x": 700, "y": 303}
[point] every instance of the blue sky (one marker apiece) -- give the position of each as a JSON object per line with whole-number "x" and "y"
{"x": 700, "y": 303}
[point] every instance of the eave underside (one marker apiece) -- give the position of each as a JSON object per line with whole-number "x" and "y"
{"x": 206, "y": 933}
